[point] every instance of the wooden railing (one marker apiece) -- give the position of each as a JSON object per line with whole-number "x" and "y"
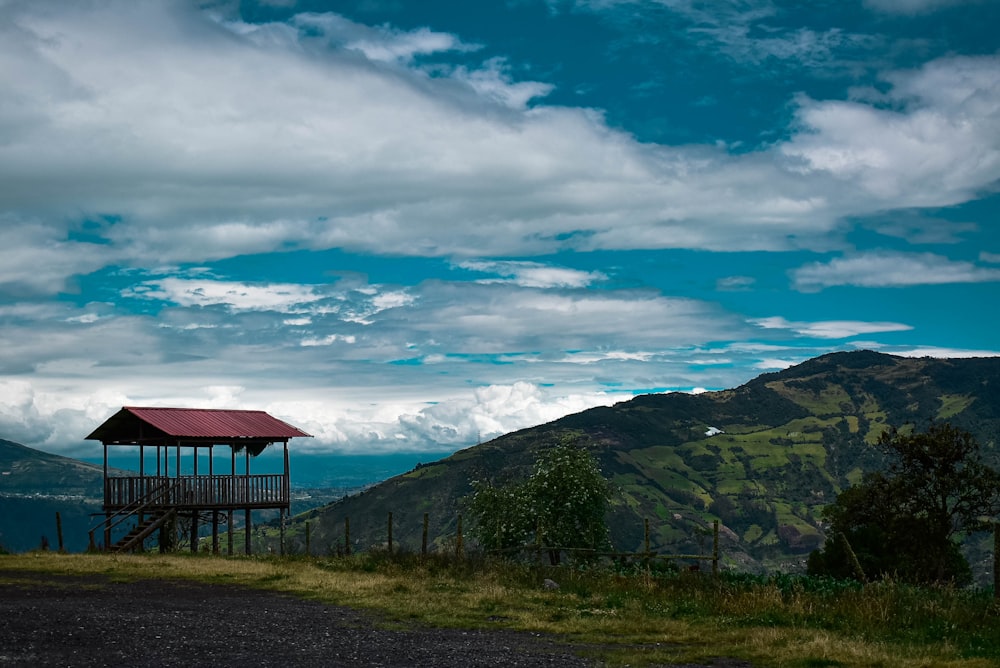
{"x": 200, "y": 492}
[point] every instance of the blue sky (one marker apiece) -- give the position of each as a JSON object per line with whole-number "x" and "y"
{"x": 409, "y": 226}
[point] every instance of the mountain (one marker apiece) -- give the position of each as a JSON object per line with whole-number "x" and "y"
{"x": 34, "y": 486}
{"x": 763, "y": 458}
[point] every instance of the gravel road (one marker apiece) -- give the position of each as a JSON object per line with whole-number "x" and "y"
{"x": 50, "y": 620}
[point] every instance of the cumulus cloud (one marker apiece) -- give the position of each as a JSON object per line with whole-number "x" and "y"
{"x": 347, "y": 382}
{"x": 878, "y": 269}
{"x": 933, "y": 141}
{"x": 207, "y": 141}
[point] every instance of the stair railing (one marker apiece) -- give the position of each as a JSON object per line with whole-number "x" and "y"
{"x": 154, "y": 495}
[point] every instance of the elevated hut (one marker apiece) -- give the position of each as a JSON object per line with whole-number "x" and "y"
{"x": 174, "y": 487}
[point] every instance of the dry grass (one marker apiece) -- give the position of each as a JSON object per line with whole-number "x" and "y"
{"x": 627, "y": 620}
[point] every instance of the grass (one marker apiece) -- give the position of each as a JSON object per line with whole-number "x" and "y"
{"x": 620, "y": 618}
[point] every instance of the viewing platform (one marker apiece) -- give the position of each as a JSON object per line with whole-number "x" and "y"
{"x": 176, "y": 439}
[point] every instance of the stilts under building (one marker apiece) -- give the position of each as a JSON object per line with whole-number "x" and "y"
{"x": 171, "y": 487}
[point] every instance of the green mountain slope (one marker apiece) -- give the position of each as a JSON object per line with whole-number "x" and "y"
{"x": 34, "y": 486}
{"x": 763, "y": 458}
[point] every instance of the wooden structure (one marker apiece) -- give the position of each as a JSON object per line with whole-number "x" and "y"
{"x": 138, "y": 505}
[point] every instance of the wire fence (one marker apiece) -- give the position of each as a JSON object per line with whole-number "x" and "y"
{"x": 538, "y": 550}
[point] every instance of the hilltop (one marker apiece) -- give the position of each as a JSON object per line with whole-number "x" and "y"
{"x": 34, "y": 485}
{"x": 762, "y": 458}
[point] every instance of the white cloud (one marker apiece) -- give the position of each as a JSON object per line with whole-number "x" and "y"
{"x": 207, "y": 141}
{"x": 878, "y": 269}
{"x": 938, "y": 145}
{"x": 329, "y": 339}
{"x": 493, "y": 82}
{"x": 534, "y": 274}
{"x": 914, "y": 6}
{"x": 36, "y": 259}
{"x": 382, "y": 44}
{"x": 775, "y": 364}
{"x": 940, "y": 352}
{"x": 831, "y": 329}
{"x": 339, "y": 379}
{"x": 282, "y": 297}
{"x": 735, "y": 283}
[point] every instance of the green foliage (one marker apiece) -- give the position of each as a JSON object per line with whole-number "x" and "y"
{"x": 903, "y": 521}
{"x": 501, "y": 514}
{"x": 562, "y": 504}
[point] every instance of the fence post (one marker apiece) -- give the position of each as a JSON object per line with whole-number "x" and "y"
{"x": 390, "y": 532}
{"x": 347, "y": 536}
{"x": 308, "y": 541}
{"x": 423, "y": 542}
{"x": 538, "y": 542}
{"x": 996, "y": 561}
{"x": 645, "y": 524}
{"x": 715, "y": 548}
{"x": 59, "y": 535}
{"x": 459, "y": 549}
{"x": 281, "y": 539}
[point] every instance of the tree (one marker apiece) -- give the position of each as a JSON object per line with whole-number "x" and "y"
{"x": 904, "y": 521}
{"x": 562, "y": 504}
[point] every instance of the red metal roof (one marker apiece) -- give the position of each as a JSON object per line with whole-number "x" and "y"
{"x": 200, "y": 423}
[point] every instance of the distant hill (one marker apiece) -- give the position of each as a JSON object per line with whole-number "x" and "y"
{"x": 34, "y": 486}
{"x": 763, "y": 458}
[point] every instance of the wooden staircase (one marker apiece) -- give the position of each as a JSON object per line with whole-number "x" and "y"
{"x": 150, "y": 523}
{"x": 149, "y": 513}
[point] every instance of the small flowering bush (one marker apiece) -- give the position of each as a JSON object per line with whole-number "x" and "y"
{"x": 561, "y": 505}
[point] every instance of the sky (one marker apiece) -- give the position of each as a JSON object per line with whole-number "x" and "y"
{"x": 408, "y": 225}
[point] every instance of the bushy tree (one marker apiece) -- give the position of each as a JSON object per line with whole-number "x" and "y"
{"x": 565, "y": 499}
{"x": 501, "y": 514}
{"x": 904, "y": 521}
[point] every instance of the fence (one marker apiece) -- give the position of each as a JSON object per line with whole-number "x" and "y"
{"x": 538, "y": 549}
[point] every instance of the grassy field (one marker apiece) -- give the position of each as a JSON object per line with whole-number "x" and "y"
{"x": 621, "y": 618}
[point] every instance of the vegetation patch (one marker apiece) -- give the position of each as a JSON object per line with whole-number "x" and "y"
{"x": 619, "y": 617}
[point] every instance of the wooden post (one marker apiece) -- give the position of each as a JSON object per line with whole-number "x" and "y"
{"x": 538, "y": 542}
{"x": 59, "y": 535}
{"x": 996, "y": 561}
{"x": 308, "y": 541}
{"x": 389, "y": 526}
{"x": 715, "y": 548}
{"x": 247, "y": 528}
{"x": 281, "y": 540}
{"x": 215, "y": 532}
{"x": 645, "y": 523}
{"x": 347, "y": 535}
{"x": 459, "y": 549}
{"x": 229, "y": 532}
{"x": 423, "y": 542}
